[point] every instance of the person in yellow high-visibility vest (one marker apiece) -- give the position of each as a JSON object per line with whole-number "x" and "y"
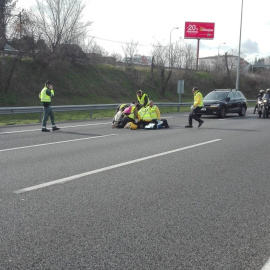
{"x": 195, "y": 108}
{"x": 150, "y": 114}
{"x": 45, "y": 97}
{"x": 143, "y": 99}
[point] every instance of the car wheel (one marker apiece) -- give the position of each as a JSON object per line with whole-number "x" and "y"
{"x": 242, "y": 111}
{"x": 222, "y": 112}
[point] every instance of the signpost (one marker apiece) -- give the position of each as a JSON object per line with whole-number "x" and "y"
{"x": 180, "y": 90}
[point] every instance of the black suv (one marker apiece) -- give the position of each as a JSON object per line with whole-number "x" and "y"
{"x": 222, "y": 101}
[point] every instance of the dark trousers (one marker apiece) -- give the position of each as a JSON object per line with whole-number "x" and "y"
{"x": 193, "y": 115}
{"x": 124, "y": 121}
{"x": 47, "y": 112}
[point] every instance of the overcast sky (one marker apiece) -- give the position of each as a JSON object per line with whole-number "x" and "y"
{"x": 116, "y": 22}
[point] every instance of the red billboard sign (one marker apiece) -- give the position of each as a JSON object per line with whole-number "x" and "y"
{"x": 199, "y": 30}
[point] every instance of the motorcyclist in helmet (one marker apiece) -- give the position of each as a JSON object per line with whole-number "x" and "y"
{"x": 259, "y": 97}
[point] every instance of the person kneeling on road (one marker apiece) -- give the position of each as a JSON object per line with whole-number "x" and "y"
{"x": 129, "y": 115}
{"x": 150, "y": 114}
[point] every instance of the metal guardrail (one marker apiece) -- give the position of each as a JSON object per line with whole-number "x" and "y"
{"x": 66, "y": 108}
{"x": 91, "y": 108}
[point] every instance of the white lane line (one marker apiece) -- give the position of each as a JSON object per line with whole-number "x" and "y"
{"x": 266, "y": 266}
{"x": 74, "y": 177}
{"x": 43, "y": 144}
{"x": 30, "y": 130}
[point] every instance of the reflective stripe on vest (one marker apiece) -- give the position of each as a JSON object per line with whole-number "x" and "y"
{"x": 152, "y": 111}
{"x": 131, "y": 115}
{"x": 43, "y": 96}
{"x": 141, "y": 113}
{"x": 196, "y": 97}
{"x": 147, "y": 116}
{"x": 141, "y": 100}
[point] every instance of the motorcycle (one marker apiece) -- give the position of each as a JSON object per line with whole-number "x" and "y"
{"x": 266, "y": 105}
{"x": 259, "y": 106}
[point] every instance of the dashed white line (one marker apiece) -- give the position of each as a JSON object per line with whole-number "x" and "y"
{"x": 31, "y": 130}
{"x": 266, "y": 266}
{"x": 74, "y": 177}
{"x": 44, "y": 144}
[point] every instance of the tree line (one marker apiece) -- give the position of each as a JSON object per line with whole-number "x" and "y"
{"x": 56, "y": 30}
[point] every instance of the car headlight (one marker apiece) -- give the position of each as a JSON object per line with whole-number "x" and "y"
{"x": 265, "y": 100}
{"x": 214, "y": 106}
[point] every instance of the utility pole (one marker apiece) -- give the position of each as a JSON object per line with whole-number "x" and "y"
{"x": 239, "y": 52}
{"x": 20, "y": 22}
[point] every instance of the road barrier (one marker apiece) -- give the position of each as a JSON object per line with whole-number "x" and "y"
{"x": 91, "y": 108}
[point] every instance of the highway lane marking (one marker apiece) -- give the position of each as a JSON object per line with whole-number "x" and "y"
{"x": 77, "y": 176}
{"x": 30, "y": 130}
{"x": 44, "y": 144}
{"x": 266, "y": 266}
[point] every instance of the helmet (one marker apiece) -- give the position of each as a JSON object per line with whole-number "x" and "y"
{"x": 261, "y": 91}
{"x": 268, "y": 90}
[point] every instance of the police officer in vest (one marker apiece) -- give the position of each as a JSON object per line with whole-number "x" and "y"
{"x": 45, "y": 97}
{"x": 143, "y": 99}
{"x": 195, "y": 108}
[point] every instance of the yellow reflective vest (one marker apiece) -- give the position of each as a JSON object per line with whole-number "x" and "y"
{"x": 198, "y": 99}
{"x": 154, "y": 112}
{"x": 146, "y": 114}
{"x": 141, "y": 99}
{"x": 43, "y": 95}
{"x": 132, "y": 115}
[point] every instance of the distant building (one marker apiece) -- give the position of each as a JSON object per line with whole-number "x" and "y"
{"x": 139, "y": 60}
{"x": 220, "y": 62}
{"x": 95, "y": 57}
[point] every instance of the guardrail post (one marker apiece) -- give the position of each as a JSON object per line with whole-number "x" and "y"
{"x": 91, "y": 113}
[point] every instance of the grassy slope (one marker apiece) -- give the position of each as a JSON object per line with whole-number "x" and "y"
{"x": 78, "y": 83}
{"x": 75, "y": 84}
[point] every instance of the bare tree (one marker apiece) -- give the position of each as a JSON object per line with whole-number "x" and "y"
{"x": 160, "y": 54}
{"x": 60, "y": 22}
{"x": 117, "y": 56}
{"x": 6, "y": 8}
{"x": 130, "y": 49}
{"x": 21, "y": 25}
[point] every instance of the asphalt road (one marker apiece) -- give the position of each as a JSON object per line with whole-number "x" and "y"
{"x": 92, "y": 197}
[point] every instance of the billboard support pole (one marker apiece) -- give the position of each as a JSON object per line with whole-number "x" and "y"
{"x": 198, "y": 49}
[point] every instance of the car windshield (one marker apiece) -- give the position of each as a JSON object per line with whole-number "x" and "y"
{"x": 214, "y": 95}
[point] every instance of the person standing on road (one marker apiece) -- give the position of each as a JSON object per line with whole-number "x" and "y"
{"x": 45, "y": 97}
{"x": 195, "y": 108}
{"x": 143, "y": 99}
